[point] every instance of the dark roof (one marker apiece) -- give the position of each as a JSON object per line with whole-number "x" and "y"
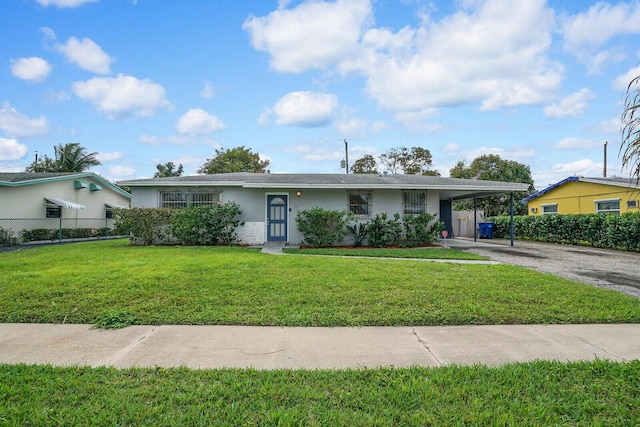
{"x": 458, "y": 188}
{"x": 31, "y": 176}
{"x": 615, "y": 181}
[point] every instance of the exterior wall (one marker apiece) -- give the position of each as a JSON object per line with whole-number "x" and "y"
{"x": 580, "y": 197}
{"x": 28, "y": 201}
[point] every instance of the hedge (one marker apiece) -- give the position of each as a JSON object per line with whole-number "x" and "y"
{"x": 598, "y": 230}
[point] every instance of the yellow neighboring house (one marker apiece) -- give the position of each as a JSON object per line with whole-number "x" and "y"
{"x": 579, "y": 195}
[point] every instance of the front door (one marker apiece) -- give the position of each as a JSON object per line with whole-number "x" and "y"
{"x": 277, "y": 218}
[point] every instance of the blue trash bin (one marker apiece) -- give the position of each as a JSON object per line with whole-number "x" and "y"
{"x": 486, "y": 230}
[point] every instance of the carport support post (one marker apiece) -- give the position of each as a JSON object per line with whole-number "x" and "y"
{"x": 511, "y": 224}
{"x": 60, "y": 230}
{"x": 475, "y": 220}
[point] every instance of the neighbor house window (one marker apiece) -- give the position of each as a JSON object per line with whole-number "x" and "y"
{"x": 611, "y": 206}
{"x": 53, "y": 211}
{"x": 550, "y": 209}
{"x": 109, "y": 213}
{"x": 183, "y": 199}
{"x": 360, "y": 203}
{"x": 414, "y": 202}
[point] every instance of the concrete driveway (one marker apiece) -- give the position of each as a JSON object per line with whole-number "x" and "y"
{"x": 604, "y": 268}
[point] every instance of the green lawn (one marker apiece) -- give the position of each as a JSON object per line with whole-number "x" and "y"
{"x": 91, "y": 282}
{"x": 598, "y": 393}
{"x": 110, "y": 282}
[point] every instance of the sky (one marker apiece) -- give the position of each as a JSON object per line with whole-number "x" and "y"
{"x": 145, "y": 82}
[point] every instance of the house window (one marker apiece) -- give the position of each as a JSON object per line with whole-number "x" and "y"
{"x": 611, "y": 206}
{"x": 414, "y": 202}
{"x": 108, "y": 213}
{"x": 550, "y": 209}
{"x": 53, "y": 211}
{"x": 182, "y": 199}
{"x": 360, "y": 203}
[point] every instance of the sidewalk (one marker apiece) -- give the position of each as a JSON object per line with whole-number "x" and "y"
{"x": 207, "y": 347}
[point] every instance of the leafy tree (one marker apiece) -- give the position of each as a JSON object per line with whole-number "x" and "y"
{"x": 414, "y": 161}
{"x": 239, "y": 159}
{"x": 366, "y": 164}
{"x": 630, "y": 147}
{"x": 493, "y": 168}
{"x": 168, "y": 170}
{"x": 70, "y": 157}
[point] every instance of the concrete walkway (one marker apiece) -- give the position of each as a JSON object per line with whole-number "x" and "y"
{"x": 204, "y": 347}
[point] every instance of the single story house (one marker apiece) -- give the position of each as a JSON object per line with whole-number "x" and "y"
{"x": 270, "y": 202}
{"x": 52, "y": 200}
{"x": 580, "y": 195}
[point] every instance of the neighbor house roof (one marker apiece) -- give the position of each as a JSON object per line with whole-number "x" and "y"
{"x": 450, "y": 188}
{"x": 17, "y": 179}
{"x": 618, "y": 182}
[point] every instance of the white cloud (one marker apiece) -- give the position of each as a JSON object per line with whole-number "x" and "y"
{"x": 599, "y": 24}
{"x": 86, "y": 54}
{"x": 622, "y": 81}
{"x": 608, "y": 126}
{"x": 379, "y": 125}
{"x": 352, "y": 128}
{"x": 10, "y": 149}
{"x": 32, "y": 69}
{"x": 122, "y": 96}
{"x": 571, "y": 106}
{"x": 48, "y": 33}
{"x": 18, "y": 125}
{"x": 198, "y": 122}
{"x": 315, "y": 34}
{"x": 208, "y": 92}
{"x": 64, "y": 3}
{"x": 306, "y": 109}
{"x": 120, "y": 172}
{"x": 573, "y": 143}
{"x": 587, "y": 33}
{"x": 109, "y": 157}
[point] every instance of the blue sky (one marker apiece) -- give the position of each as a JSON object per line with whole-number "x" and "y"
{"x": 144, "y": 82}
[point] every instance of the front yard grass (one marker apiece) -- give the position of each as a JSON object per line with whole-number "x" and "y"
{"x": 90, "y": 282}
{"x": 598, "y": 393}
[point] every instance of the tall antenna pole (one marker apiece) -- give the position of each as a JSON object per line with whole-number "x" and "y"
{"x": 605, "y": 159}
{"x": 346, "y": 155}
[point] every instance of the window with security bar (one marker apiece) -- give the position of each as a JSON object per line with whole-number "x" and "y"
{"x": 360, "y": 203}
{"x": 183, "y": 199}
{"x": 414, "y": 202}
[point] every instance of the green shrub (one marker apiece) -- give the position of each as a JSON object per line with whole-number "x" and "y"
{"x": 421, "y": 230}
{"x": 206, "y": 225}
{"x": 598, "y": 230}
{"x": 322, "y": 228}
{"x": 358, "y": 232}
{"x": 6, "y": 236}
{"x": 146, "y": 226}
{"x": 37, "y": 234}
{"x": 378, "y": 231}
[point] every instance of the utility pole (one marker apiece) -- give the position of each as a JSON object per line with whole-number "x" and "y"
{"x": 605, "y": 159}
{"x": 346, "y": 156}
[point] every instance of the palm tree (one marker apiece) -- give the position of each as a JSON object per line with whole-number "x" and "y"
{"x": 630, "y": 147}
{"x": 70, "y": 157}
{"x": 74, "y": 158}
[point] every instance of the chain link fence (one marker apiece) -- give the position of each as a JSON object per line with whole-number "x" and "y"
{"x": 16, "y": 231}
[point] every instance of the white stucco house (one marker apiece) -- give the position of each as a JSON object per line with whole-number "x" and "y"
{"x": 270, "y": 202}
{"x": 55, "y": 200}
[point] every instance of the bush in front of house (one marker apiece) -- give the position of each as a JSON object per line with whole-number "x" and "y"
{"x": 407, "y": 231}
{"x": 196, "y": 225}
{"x": 206, "y": 225}
{"x": 598, "y": 230}
{"x": 145, "y": 226}
{"x": 38, "y": 234}
{"x": 322, "y": 228}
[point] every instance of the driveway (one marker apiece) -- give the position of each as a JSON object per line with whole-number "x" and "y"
{"x": 603, "y": 268}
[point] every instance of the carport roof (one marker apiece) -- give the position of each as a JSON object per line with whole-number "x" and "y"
{"x": 449, "y": 188}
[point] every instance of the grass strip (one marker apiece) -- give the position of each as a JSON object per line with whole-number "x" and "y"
{"x": 417, "y": 253}
{"x": 114, "y": 283}
{"x": 538, "y": 393}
